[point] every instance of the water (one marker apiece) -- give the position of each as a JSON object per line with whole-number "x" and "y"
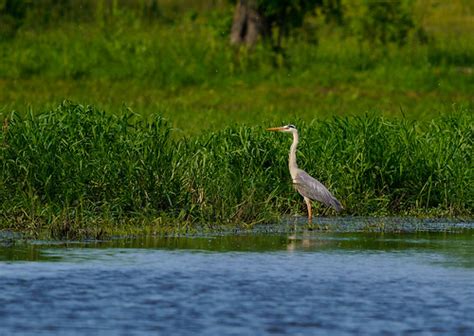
{"x": 277, "y": 283}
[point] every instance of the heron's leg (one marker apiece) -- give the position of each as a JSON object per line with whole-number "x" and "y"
{"x": 310, "y": 212}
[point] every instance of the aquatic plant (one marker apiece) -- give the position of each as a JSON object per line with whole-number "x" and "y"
{"x": 77, "y": 171}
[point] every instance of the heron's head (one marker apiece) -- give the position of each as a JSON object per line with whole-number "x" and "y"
{"x": 288, "y": 128}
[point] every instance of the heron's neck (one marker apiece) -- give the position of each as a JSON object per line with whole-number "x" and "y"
{"x": 292, "y": 159}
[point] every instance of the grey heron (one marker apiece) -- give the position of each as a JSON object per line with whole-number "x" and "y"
{"x": 305, "y": 184}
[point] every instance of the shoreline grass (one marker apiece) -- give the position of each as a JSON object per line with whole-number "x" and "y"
{"x": 387, "y": 127}
{"x": 77, "y": 171}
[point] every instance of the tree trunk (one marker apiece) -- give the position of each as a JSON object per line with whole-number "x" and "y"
{"x": 248, "y": 24}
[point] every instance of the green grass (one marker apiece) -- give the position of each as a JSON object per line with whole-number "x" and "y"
{"x": 190, "y": 75}
{"x": 76, "y": 171}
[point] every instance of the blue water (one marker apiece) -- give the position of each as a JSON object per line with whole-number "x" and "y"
{"x": 284, "y": 284}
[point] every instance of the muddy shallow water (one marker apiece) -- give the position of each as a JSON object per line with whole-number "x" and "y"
{"x": 271, "y": 281}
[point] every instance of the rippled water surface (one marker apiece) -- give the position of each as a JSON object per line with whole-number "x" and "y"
{"x": 250, "y": 284}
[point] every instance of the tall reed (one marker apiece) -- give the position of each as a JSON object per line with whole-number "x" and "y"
{"x": 76, "y": 170}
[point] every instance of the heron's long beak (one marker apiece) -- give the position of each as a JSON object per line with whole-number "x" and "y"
{"x": 275, "y": 129}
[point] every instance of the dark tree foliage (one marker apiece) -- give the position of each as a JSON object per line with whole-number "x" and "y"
{"x": 268, "y": 20}
{"x": 380, "y": 21}
{"x": 273, "y": 19}
{"x": 387, "y": 21}
{"x": 12, "y": 14}
{"x": 285, "y": 15}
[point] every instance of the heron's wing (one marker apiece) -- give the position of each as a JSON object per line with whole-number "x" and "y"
{"x": 309, "y": 187}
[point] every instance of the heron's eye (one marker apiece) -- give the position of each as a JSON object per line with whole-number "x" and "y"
{"x": 291, "y": 126}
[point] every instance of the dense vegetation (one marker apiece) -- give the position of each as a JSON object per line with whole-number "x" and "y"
{"x": 76, "y": 170}
{"x": 386, "y": 118}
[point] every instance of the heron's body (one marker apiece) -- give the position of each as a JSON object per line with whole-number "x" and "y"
{"x": 305, "y": 184}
